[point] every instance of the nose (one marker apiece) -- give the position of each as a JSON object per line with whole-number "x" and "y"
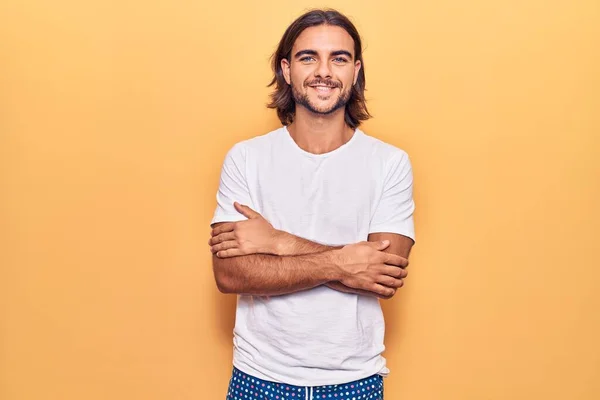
{"x": 323, "y": 70}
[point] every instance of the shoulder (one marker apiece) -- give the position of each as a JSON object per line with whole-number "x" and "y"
{"x": 384, "y": 151}
{"x": 258, "y": 143}
{"x": 391, "y": 161}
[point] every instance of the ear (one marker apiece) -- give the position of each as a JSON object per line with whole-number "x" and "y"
{"x": 285, "y": 67}
{"x": 357, "y": 67}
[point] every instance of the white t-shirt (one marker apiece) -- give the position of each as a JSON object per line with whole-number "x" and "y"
{"x": 318, "y": 336}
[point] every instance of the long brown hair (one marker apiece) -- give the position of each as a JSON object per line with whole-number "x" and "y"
{"x": 282, "y": 98}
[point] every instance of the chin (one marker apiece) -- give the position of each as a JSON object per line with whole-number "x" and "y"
{"x": 323, "y": 104}
{"x": 324, "y": 111}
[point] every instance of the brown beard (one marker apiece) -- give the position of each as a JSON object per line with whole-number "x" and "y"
{"x": 302, "y": 99}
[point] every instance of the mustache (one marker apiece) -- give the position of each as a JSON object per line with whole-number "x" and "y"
{"x": 321, "y": 82}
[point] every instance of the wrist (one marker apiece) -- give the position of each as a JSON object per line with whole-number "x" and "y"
{"x": 336, "y": 257}
{"x": 282, "y": 243}
{"x": 333, "y": 272}
{"x": 336, "y": 261}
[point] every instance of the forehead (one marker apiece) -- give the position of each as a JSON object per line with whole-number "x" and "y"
{"x": 325, "y": 38}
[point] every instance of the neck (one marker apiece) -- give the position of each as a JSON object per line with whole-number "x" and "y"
{"x": 317, "y": 133}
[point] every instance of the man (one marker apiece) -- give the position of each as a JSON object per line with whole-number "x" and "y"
{"x": 313, "y": 226}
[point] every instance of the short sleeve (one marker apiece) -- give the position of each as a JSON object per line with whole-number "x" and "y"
{"x": 233, "y": 186}
{"x": 394, "y": 213}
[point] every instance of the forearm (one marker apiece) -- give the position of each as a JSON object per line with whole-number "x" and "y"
{"x": 291, "y": 245}
{"x": 262, "y": 274}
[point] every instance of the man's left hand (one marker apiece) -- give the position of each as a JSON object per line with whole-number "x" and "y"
{"x": 253, "y": 236}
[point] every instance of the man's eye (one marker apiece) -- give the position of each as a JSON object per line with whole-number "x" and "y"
{"x": 307, "y": 59}
{"x": 340, "y": 60}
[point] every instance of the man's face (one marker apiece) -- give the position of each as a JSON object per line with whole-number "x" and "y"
{"x": 322, "y": 69}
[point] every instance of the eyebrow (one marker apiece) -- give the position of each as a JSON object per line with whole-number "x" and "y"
{"x": 314, "y": 53}
{"x": 341, "y": 53}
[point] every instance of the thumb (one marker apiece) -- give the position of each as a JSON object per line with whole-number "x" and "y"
{"x": 380, "y": 244}
{"x": 245, "y": 211}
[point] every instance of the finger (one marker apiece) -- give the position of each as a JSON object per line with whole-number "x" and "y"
{"x": 380, "y": 293}
{"x": 229, "y": 253}
{"x": 379, "y": 245}
{"x": 221, "y": 238}
{"x": 390, "y": 282}
{"x": 381, "y": 290}
{"x": 230, "y": 244}
{"x": 394, "y": 259}
{"x": 226, "y": 227}
{"x": 246, "y": 211}
{"x": 394, "y": 272}
{"x": 387, "y": 296}
{"x": 367, "y": 293}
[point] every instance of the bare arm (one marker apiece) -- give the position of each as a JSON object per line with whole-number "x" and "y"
{"x": 260, "y": 274}
{"x": 295, "y": 245}
{"x": 264, "y": 274}
{"x": 256, "y": 236}
{"x": 292, "y": 245}
{"x": 257, "y": 242}
{"x": 253, "y": 267}
{"x": 399, "y": 245}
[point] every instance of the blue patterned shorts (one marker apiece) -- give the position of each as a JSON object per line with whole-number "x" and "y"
{"x": 246, "y": 387}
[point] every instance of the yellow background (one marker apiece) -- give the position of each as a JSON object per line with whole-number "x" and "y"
{"x": 115, "y": 118}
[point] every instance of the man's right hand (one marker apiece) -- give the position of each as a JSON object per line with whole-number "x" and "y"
{"x": 379, "y": 279}
{"x": 366, "y": 267}
{"x": 369, "y": 252}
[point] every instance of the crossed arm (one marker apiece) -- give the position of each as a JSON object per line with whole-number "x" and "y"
{"x": 251, "y": 257}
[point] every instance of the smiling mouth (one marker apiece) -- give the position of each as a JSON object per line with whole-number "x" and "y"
{"x": 323, "y": 89}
